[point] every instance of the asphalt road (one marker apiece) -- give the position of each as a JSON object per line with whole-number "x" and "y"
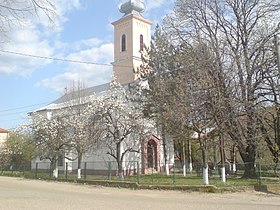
{"x": 21, "y": 194}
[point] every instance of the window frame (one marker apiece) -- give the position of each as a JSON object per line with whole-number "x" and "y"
{"x": 141, "y": 42}
{"x": 123, "y": 43}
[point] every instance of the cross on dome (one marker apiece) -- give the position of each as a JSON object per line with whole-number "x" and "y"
{"x": 132, "y": 6}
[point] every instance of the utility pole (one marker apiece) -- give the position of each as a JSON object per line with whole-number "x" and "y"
{"x": 277, "y": 47}
{"x": 277, "y": 52}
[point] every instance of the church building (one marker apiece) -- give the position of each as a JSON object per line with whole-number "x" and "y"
{"x": 131, "y": 33}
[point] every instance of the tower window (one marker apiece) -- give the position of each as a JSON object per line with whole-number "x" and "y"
{"x": 141, "y": 43}
{"x": 123, "y": 43}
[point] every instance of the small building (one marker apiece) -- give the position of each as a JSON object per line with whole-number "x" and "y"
{"x": 4, "y": 134}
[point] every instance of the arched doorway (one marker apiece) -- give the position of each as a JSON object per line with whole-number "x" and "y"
{"x": 150, "y": 154}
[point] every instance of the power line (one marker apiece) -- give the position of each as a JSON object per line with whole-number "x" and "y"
{"x": 63, "y": 59}
{"x": 55, "y": 59}
{"x": 13, "y": 113}
{"x": 23, "y": 107}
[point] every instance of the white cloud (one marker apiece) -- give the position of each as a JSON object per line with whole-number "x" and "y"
{"x": 61, "y": 8}
{"x": 103, "y": 53}
{"x": 156, "y": 10}
{"x": 154, "y": 4}
{"x": 33, "y": 38}
{"x": 28, "y": 42}
{"x": 68, "y": 5}
{"x": 59, "y": 82}
{"x": 91, "y": 74}
{"x": 77, "y": 45}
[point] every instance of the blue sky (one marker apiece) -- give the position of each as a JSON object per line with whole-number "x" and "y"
{"x": 82, "y": 32}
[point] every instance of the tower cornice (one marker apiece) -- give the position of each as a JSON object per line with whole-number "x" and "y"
{"x": 132, "y": 16}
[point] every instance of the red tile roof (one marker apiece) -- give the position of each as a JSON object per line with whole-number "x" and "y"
{"x": 2, "y": 130}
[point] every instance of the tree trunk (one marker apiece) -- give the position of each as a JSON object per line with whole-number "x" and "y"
{"x": 119, "y": 162}
{"x": 222, "y": 153}
{"x": 166, "y": 163}
{"x": 190, "y": 155}
{"x": 79, "y": 165}
{"x": 223, "y": 174}
{"x": 247, "y": 153}
{"x": 248, "y": 158}
{"x": 234, "y": 160}
{"x": 203, "y": 146}
{"x": 55, "y": 169}
{"x": 120, "y": 171}
{"x": 184, "y": 159}
{"x": 215, "y": 166}
{"x": 250, "y": 171}
{"x": 205, "y": 174}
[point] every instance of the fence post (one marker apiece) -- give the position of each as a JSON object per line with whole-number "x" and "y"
{"x": 109, "y": 170}
{"x": 174, "y": 175}
{"x": 260, "y": 174}
{"x": 85, "y": 171}
{"x": 50, "y": 171}
{"x": 138, "y": 173}
{"x": 23, "y": 172}
{"x": 36, "y": 171}
{"x": 12, "y": 168}
{"x": 66, "y": 170}
{"x": 153, "y": 174}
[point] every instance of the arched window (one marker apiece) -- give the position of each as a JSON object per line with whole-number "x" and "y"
{"x": 141, "y": 43}
{"x": 123, "y": 42}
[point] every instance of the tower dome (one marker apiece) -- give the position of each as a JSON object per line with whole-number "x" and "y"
{"x": 132, "y": 6}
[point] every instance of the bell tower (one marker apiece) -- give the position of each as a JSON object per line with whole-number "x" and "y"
{"x": 131, "y": 33}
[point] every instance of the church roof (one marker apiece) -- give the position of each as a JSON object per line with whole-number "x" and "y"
{"x": 2, "y": 130}
{"x": 86, "y": 93}
{"x": 99, "y": 89}
{"x": 132, "y": 6}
